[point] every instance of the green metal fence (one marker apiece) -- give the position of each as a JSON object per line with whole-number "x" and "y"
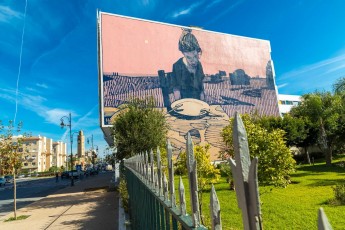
{"x": 152, "y": 194}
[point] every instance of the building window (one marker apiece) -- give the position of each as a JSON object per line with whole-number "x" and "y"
{"x": 25, "y": 164}
{"x": 33, "y": 163}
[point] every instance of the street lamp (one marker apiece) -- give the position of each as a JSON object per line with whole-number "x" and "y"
{"x": 92, "y": 149}
{"x": 62, "y": 124}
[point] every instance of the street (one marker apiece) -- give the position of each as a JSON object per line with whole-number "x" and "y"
{"x": 28, "y": 191}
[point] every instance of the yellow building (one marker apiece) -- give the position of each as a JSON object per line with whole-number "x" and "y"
{"x": 40, "y": 153}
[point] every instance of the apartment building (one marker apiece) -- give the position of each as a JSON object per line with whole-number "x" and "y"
{"x": 286, "y": 102}
{"x": 59, "y": 154}
{"x": 39, "y": 154}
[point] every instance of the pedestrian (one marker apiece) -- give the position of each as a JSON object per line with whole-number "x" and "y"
{"x": 57, "y": 177}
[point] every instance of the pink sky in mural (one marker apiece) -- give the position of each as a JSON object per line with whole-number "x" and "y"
{"x": 136, "y": 47}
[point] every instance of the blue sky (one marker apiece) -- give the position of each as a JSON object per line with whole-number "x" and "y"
{"x": 57, "y": 71}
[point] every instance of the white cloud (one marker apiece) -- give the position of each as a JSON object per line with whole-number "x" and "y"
{"x": 318, "y": 76}
{"x": 34, "y": 103}
{"x": 187, "y": 10}
{"x": 42, "y": 85}
{"x": 224, "y": 12}
{"x": 212, "y": 3}
{"x": 54, "y": 115}
{"x": 282, "y": 85}
{"x": 83, "y": 123}
{"x": 7, "y": 14}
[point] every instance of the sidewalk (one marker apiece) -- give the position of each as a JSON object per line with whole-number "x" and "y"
{"x": 86, "y": 205}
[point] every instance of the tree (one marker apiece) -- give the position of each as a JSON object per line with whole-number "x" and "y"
{"x": 207, "y": 173}
{"x": 325, "y": 111}
{"x": 299, "y": 131}
{"x": 11, "y": 151}
{"x": 339, "y": 86}
{"x": 139, "y": 127}
{"x": 275, "y": 159}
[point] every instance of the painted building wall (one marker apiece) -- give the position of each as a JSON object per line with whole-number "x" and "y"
{"x": 198, "y": 78}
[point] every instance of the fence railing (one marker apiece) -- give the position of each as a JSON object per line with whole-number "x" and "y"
{"x": 152, "y": 193}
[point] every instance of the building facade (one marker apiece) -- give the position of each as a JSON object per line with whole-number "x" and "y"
{"x": 40, "y": 154}
{"x": 198, "y": 78}
{"x": 286, "y": 102}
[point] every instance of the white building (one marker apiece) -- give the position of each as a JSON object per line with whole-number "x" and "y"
{"x": 286, "y": 102}
{"x": 59, "y": 154}
{"x": 40, "y": 153}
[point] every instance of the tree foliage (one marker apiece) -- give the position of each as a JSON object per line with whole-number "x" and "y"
{"x": 299, "y": 131}
{"x": 11, "y": 152}
{"x": 339, "y": 86}
{"x": 139, "y": 127}
{"x": 275, "y": 159}
{"x": 326, "y": 112}
{"x": 207, "y": 173}
{"x": 11, "y": 148}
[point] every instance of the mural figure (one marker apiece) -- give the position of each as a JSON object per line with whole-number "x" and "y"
{"x": 187, "y": 76}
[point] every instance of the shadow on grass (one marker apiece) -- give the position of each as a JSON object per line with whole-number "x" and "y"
{"x": 301, "y": 174}
{"x": 321, "y": 168}
{"x": 323, "y": 182}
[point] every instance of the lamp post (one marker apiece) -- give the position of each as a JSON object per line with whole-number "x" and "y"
{"x": 62, "y": 124}
{"x": 94, "y": 153}
{"x": 92, "y": 149}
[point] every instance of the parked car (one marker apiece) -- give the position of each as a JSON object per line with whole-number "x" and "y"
{"x": 75, "y": 173}
{"x": 93, "y": 171}
{"x": 2, "y": 181}
{"x": 65, "y": 175}
{"x": 9, "y": 179}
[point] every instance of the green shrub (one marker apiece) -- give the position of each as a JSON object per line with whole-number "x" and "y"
{"x": 225, "y": 171}
{"x": 339, "y": 194}
{"x": 124, "y": 193}
{"x": 275, "y": 159}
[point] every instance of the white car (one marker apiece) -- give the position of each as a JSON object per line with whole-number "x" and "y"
{"x": 9, "y": 179}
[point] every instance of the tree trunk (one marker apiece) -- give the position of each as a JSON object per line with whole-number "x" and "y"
{"x": 307, "y": 157}
{"x": 329, "y": 152}
{"x": 14, "y": 194}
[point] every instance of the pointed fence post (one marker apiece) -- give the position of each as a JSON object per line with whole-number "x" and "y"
{"x": 146, "y": 168}
{"x": 322, "y": 222}
{"x": 152, "y": 167}
{"x": 156, "y": 183}
{"x": 165, "y": 187}
{"x": 171, "y": 176}
{"x": 182, "y": 198}
{"x": 245, "y": 178}
{"x": 159, "y": 171}
{"x": 193, "y": 181}
{"x": 215, "y": 210}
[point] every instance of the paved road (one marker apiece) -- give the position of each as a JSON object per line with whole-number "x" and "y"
{"x": 29, "y": 191}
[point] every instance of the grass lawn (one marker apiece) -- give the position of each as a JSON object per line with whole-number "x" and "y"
{"x": 293, "y": 207}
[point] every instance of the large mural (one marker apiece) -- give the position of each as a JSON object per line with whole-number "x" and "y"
{"x": 198, "y": 78}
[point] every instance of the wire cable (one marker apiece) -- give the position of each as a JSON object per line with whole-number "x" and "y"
{"x": 20, "y": 63}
